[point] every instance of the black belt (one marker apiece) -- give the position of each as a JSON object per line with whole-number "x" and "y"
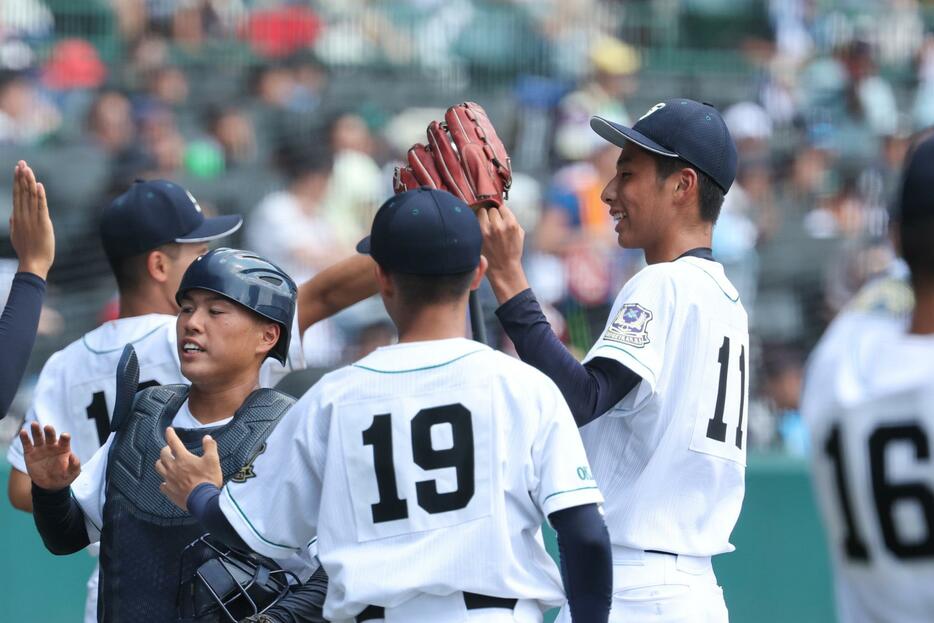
{"x": 473, "y": 601}
{"x": 658, "y": 551}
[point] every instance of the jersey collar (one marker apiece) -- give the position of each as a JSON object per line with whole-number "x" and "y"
{"x": 704, "y": 253}
{"x": 416, "y": 356}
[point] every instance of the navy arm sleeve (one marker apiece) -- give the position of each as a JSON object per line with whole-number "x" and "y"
{"x": 586, "y": 561}
{"x": 304, "y": 603}
{"x": 590, "y": 389}
{"x": 204, "y": 504}
{"x": 60, "y": 520}
{"x": 18, "y": 325}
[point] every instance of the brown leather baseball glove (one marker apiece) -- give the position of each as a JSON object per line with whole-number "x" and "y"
{"x": 464, "y": 156}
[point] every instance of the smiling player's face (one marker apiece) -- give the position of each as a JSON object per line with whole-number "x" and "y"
{"x": 219, "y": 341}
{"x": 637, "y": 200}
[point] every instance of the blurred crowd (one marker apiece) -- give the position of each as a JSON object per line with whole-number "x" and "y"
{"x": 293, "y": 114}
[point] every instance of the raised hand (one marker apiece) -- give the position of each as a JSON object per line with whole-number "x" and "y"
{"x": 30, "y": 226}
{"x": 502, "y": 247}
{"x": 182, "y": 471}
{"x": 50, "y": 462}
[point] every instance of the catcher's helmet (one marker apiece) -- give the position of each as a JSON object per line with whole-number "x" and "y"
{"x": 220, "y": 583}
{"x": 250, "y": 280}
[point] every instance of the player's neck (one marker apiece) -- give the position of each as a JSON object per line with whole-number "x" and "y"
{"x": 211, "y": 403}
{"x": 140, "y": 304}
{"x": 436, "y": 322}
{"x": 672, "y": 247}
{"x": 922, "y": 319}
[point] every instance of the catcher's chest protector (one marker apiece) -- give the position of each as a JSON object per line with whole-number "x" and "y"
{"x": 144, "y": 533}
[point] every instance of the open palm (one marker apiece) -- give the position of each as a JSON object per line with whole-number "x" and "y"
{"x": 49, "y": 460}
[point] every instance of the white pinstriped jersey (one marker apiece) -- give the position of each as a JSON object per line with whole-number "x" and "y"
{"x": 671, "y": 456}
{"x": 868, "y": 402}
{"x": 424, "y": 468}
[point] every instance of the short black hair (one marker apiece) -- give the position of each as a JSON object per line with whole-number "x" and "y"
{"x": 915, "y": 236}
{"x": 420, "y": 290}
{"x": 129, "y": 271}
{"x": 709, "y": 195}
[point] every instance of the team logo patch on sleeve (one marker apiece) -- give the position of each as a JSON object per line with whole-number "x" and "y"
{"x": 246, "y": 471}
{"x": 629, "y": 326}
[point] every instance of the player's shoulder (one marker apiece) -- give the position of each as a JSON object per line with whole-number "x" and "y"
{"x": 113, "y": 335}
{"x": 845, "y": 361}
{"x": 107, "y": 341}
{"x": 682, "y": 281}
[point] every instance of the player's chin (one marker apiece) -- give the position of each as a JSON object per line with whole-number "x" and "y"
{"x": 194, "y": 367}
{"x": 626, "y": 238}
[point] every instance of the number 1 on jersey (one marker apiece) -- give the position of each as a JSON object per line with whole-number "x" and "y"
{"x": 716, "y": 427}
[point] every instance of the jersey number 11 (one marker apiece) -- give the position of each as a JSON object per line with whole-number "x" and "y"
{"x": 716, "y": 427}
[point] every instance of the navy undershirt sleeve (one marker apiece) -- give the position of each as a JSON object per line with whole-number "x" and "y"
{"x": 304, "y": 602}
{"x": 60, "y": 520}
{"x": 586, "y": 561}
{"x": 204, "y": 504}
{"x": 590, "y": 389}
{"x": 18, "y": 325}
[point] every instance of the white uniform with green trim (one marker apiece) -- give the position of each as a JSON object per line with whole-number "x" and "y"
{"x": 425, "y": 468}
{"x": 76, "y": 388}
{"x": 671, "y": 456}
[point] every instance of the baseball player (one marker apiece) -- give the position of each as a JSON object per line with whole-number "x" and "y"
{"x": 868, "y": 402}
{"x": 236, "y": 310}
{"x": 34, "y": 242}
{"x": 426, "y": 468}
{"x": 661, "y": 396}
{"x": 151, "y": 234}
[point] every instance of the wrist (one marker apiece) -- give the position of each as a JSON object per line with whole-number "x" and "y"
{"x": 40, "y": 269}
{"x": 507, "y": 281}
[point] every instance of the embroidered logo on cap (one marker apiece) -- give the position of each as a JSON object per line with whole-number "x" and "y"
{"x": 657, "y": 106}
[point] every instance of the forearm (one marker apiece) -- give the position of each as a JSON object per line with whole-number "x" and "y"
{"x": 507, "y": 281}
{"x": 304, "y": 603}
{"x": 586, "y": 561}
{"x": 60, "y": 520}
{"x": 204, "y": 505}
{"x": 18, "y": 325}
{"x": 589, "y": 389}
{"x": 335, "y": 288}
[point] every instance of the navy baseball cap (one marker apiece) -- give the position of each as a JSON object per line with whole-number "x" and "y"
{"x": 424, "y": 232}
{"x": 158, "y": 212}
{"x": 914, "y": 202}
{"x": 680, "y": 128}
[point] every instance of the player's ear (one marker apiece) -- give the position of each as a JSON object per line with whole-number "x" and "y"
{"x": 478, "y": 276}
{"x": 157, "y": 265}
{"x": 384, "y": 281}
{"x": 269, "y": 337}
{"x": 686, "y": 181}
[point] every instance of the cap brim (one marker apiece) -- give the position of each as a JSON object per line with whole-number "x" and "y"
{"x": 619, "y": 135}
{"x": 213, "y": 228}
{"x": 364, "y": 246}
